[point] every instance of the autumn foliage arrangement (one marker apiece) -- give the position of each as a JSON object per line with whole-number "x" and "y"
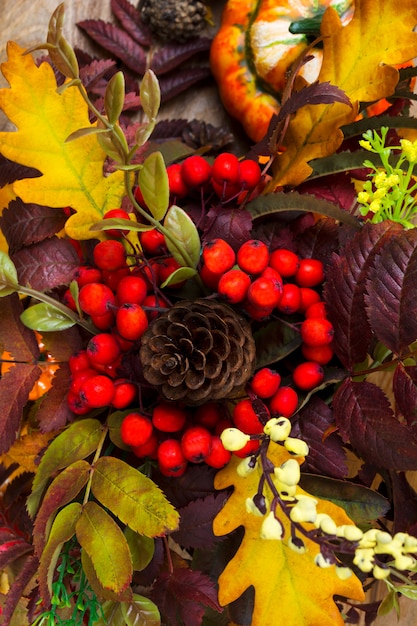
{"x": 208, "y": 375}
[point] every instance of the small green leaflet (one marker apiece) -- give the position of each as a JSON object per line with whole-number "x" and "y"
{"x": 45, "y": 318}
{"x": 8, "y": 275}
{"x": 185, "y": 237}
{"x": 153, "y": 183}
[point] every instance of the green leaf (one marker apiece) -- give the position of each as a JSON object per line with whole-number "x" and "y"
{"x": 361, "y": 504}
{"x": 97, "y": 587}
{"x": 102, "y": 539}
{"x": 120, "y": 223}
{"x": 83, "y": 132}
{"x": 178, "y": 276}
{"x": 133, "y": 498}
{"x": 183, "y": 230}
{"x": 273, "y": 203}
{"x": 141, "y": 549}
{"x": 45, "y": 318}
{"x": 114, "y": 422}
{"x": 140, "y": 612}
{"x": 61, "y": 53}
{"x": 275, "y": 341}
{"x": 388, "y": 603}
{"x": 62, "y": 530}
{"x": 150, "y": 95}
{"x": 76, "y": 442}
{"x": 153, "y": 183}
{"x": 64, "y": 488}
{"x": 8, "y": 275}
{"x": 409, "y": 591}
{"x": 114, "y": 97}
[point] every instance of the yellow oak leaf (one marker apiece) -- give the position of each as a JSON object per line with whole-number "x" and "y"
{"x": 72, "y": 172}
{"x": 288, "y": 585}
{"x": 359, "y": 58}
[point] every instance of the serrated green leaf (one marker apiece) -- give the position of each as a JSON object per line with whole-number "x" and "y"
{"x": 97, "y": 587}
{"x": 8, "y": 275}
{"x": 179, "y": 275}
{"x": 62, "y": 530}
{"x": 360, "y": 503}
{"x": 184, "y": 232}
{"x": 45, "y": 318}
{"x": 114, "y": 97}
{"x": 150, "y": 95}
{"x": 275, "y": 341}
{"x": 141, "y": 548}
{"x": 76, "y": 442}
{"x": 102, "y": 539}
{"x": 134, "y": 498}
{"x": 153, "y": 183}
{"x": 272, "y": 203}
{"x": 140, "y": 612}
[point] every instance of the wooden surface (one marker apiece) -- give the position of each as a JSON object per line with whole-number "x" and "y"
{"x": 26, "y": 22}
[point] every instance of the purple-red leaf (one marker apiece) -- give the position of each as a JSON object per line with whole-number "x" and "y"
{"x": 183, "y": 595}
{"x": 129, "y": 17}
{"x": 391, "y": 292}
{"x": 46, "y": 265}
{"x": 196, "y": 522}
{"x": 25, "y": 224}
{"x": 54, "y": 413}
{"x": 344, "y": 291}
{"x": 16, "y": 591}
{"x": 117, "y": 42}
{"x": 171, "y": 56}
{"x": 233, "y": 225}
{"x": 335, "y": 188}
{"x": 405, "y": 393}
{"x": 327, "y": 455}
{"x": 174, "y": 83}
{"x": 316, "y": 93}
{"x": 10, "y": 171}
{"x": 15, "y": 337}
{"x": 365, "y": 419}
{"x": 93, "y": 73}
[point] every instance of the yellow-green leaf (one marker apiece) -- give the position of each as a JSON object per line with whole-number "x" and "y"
{"x": 133, "y": 497}
{"x": 141, "y": 548}
{"x": 72, "y": 172}
{"x": 185, "y": 237}
{"x": 153, "y": 183}
{"x": 101, "y": 538}
{"x": 97, "y": 587}
{"x": 278, "y": 574}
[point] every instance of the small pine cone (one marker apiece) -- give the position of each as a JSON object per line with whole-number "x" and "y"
{"x": 198, "y": 351}
{"x": 176, "y": 20}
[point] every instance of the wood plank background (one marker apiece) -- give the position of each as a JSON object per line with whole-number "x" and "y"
{"x": 26, "y": 21}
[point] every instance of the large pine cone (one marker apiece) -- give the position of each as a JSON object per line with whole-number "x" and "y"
{"x": 177, "y": 20}
{"x": 198, "y": 351}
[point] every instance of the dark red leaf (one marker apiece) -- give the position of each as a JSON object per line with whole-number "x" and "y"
{"x": 233, "y": 225}
{"x": 196, "y": 522}
{"x": 53, "y": 412}
{"x": 15, "y": 337}
{"x": 337, "y": 188}
{"x": 16, "y": 591}
{"x": 404, "y": 502}
{"x": 177, "y": 82}
{"x": 183, "y": 595}
{"x": 196, "y": 483}
{"x": 129, "y": 17}
{"x": 405, "y": 393}
{"x": 93, "y": 73}
{"x": 316, "y": 93}
{"x": 117, "y": 42}
{"x": 327, "y": 455}
{"x": 391, "y": 295}
{"x": 24, "y": 224}
{"x": 46, "y": 265}
{"x": 10, "y": 171}
{"x": 318, "y": 241}
{"x": 12, "y": 550}
{"x": 365, "y": 419}
{"x": 344, "y": 291}
{"x": 171, "y": 56}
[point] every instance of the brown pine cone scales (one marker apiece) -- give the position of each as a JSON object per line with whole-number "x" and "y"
{"x": 198, "y": 351}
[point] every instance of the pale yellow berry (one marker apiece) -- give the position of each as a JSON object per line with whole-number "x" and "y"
{"x": 297, "y": 545}
{"x": 369, "y": 538}
{"x": 278, "y": 428}
{"x": 233, "y": 439}
{"x": 271, "y": 528}
{"x": 404, "y": 562}
{"x": 343, "y": 572}
{"x": 296, "y": 447}
{"x": 349, "y": 532}
{"x": 364, "y": 559}
{"x": 321, "y": 561}
{"x": 245, "y": 467}
{"x": 304, "y": 510}
{"x": 286, "y": 492}
{"x": 326, "y": 524}
{"x": 383, "y": 537}
{"x": 289, "y": 472}
{"x": 380, "y": 573}
{"x": 252, "y": 508}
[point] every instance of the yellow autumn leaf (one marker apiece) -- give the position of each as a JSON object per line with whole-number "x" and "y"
{"x": 287, "y": 584}
{"x": 72, "y": 172}
{"x": 359, "y": 58}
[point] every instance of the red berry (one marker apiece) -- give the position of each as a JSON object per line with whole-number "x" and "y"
{"x": 290, "y": 299}
{"x": 308, "y": 375}
{"x": 264, "y": 293}
{"x": 319, "y": 354}
{"x": 309, "y": 296}
{"x": 225, "y": 168}
{"x": 151, "y": 304}
{"x": 68, "y": 300}
{"x": 125, "y": 393}
{"x": 196, "y": 171}
{"x": 253, "y": 256}
{"x": 209, "y": 278}
{"x": 208, "y": 414}
{"x": 248, "y": 449}
{"x": 147, "y": 449}
{"x": 103, "y": 349}
{"x": 86, "y": 275}
{"x": 219, "y": 456}
{"x": 76, "y": 404}
{"x": 103, "y": 322}
{"x": 79, "y": 361}
{"x": 131, "y": 289}
{"x": 284, "y": 402}
{"x": 284, "y": 261}
{"x": 258, "y": 313}
{"x": 168, "y": 417}
{"x": 245, "y": 418}
{"x": 166, "y": 267}
{"x": 196, "y": 443}
{"x": 171, "y": 459}
{"x": 225, "y": 191}
{"x": 116, "y": 214}
{"x": 310, "y": 273}
{"x": 152, "y": 242}
{"x": 131, "y": 321}
{"x": 112, "y": 278}
{"x": 79, "y": 378}
{"x": 316, "y": 331}
{"x": 233, "y": 285}
{"x": 139, "y": 197}
{"x": 177, "y": 186}
{"x": 265, "y": 382}
{"x": 97, "y": 391}
{"x": 218, "y": 256}
{"x": 316, "y": 310}
{"x": 96, "y": 299}
{"x": 136, "y": 429}
{"x": 109, "y": 255}
{"x": 249, "y": 174}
